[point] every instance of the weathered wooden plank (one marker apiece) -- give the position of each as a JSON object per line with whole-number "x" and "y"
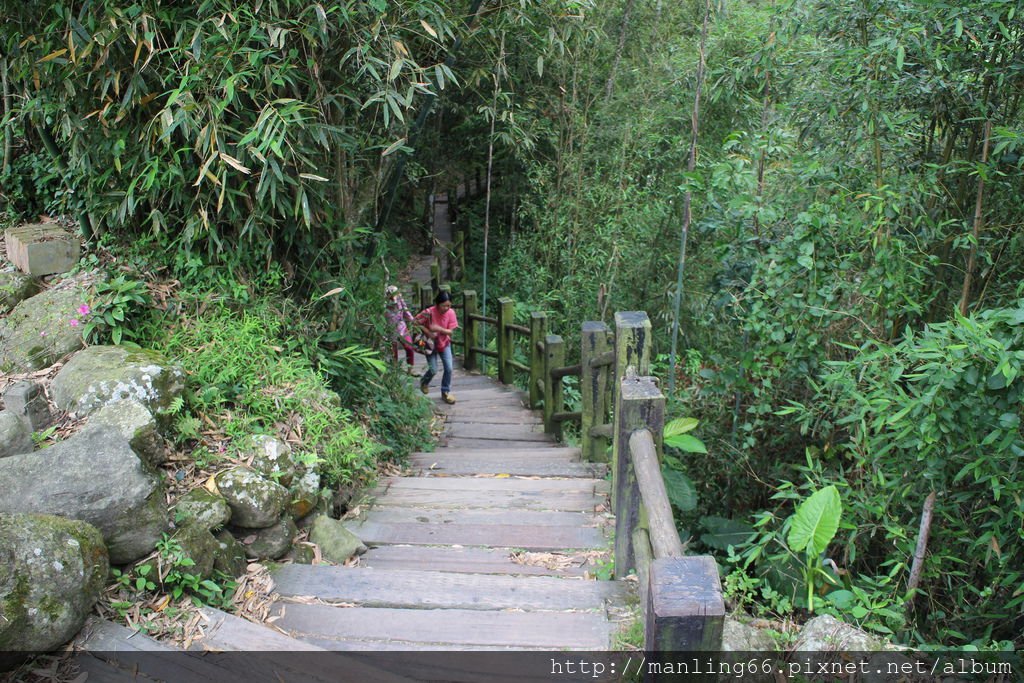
{"x": 540, "y": 467}
{"x": 227, "y": 632}
{"x": 557, "y": 630}
{"x": 573, "y": 453}
{"x": 462, "y": 442}
{"x": 467, "y": 560}
{"x": 516, "y": 418}
{"x": 100, "y": 635}
{"x": 417, "y": 589}
{"x": 469, "y": 485}
{"x": 685, "y": 610}
{"x": 528, "y": 518}
{"x": 99, "y": 671}
{"x": 502, "y": 432}
{"x": 507, "y": 500}
{"x": 494, "y": 535}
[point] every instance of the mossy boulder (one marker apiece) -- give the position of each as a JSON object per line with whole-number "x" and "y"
{"x": 15, "y": 287}
{"x": 202, "y": 508}
{"x": 271, "y": 457}
{"x": 41, "y": 330}
{"x": 96, "y": 477}
{"x": 337, "y": 543}
{"x": 198, "y": 545}
{"x": 272, "y": 542}
{"x": 304, "y": 495}
{"x": 52, "y": 571}
{"x": 255, "y": 502}
{"x": 136, "y": 424}
{"x": 230, "y": 557}
{"x": 101, "y": 375}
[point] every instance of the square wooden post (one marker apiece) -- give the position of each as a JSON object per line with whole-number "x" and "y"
{"x": 426, "y": 296}
{"x": 469, "y": 327}
{"x": 506, "y": 315}
{"x": 640, "y": 405}
{"x": 593, "y": 390}
{"x": 685, "y": 609}
{"x": 554, "y": 357}
{"x": 538, "y": 331}
{"x": 435, "y": 275}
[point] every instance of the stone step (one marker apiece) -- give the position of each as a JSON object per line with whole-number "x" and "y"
{"x": 470, "y": 561}
{"x": 430, "y": 590}
{"x": 453, "y": 629}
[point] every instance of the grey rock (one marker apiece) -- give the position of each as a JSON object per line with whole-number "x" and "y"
{"x": 337, "y": 543}
{"x": 230, "y": 557}
{"x": 255, "y": 502}
{"x": 304, "y": 495}
{"x": 272, "y": 542}
{"x": 96, "y": 477}
{"x": 302, "y": 553}
{"x": 27, "y": 400}
{"x": 52, "y": 571}
{"x": 100, "y": 375}
{"x": 271, "y": 457}
{"x": 827, "y": 634}
{"x": 136, "y": 424}
{"x": 15, "y": 287}
{"x": 198, "y": 545}
{"x": 738, "y": 636}
{"x": 202, "y": 508}
{"x": 15, "y": 436}
{"x": 39, "y": 331}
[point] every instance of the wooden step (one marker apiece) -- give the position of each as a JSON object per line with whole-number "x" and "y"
{"x": 503, "y": 453}
{"x": 505, "y": 500}
{"x": 545, "y": 466}
{"x": 518, "y": 417}
{"x": 452, "y": 628}
{"x": 512, "y": 484}
{"x": 467, "y": 560}
{"x": 502, "y": 432}
{"x": 225, "y": 631}
{"x": 520, "y": 529}
{"x": 488, "y": 444}
{"x": 417, "y": 589}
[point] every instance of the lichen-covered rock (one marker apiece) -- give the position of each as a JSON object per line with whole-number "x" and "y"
{"x": 52, "y": 571}
{"x": 15, "y": 287}
{"x": 272, "y": 542}
{"x": 271, "y": 457}
{"x": 304, "y": 495}
{"x": 738, "y": 636}
{"x": 827, "y": 634}
{"x": 230, "y": 557}
{"x": 337, "y": 543}
{"x": 136, "y": 424}
{"x": 100, "y": 375}
{"x": 198, "y": 545}
{"x": 202, "y": 508}
{"x": 15, "y": 436}
{"x": 41, "y": 330}
{"x": 96, "y": 477}
{"x": 255, "y": 502}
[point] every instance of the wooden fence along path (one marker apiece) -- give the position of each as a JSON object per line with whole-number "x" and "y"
{"x": 492, "y": 541}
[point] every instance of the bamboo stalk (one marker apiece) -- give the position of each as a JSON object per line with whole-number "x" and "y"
{"x": 922, "y": 545}
{"x": 965, "y": 293}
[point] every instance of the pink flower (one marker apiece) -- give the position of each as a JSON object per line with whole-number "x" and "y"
{"x": 42, "y": 334}
{"x": 73, "y": 322}
{"x": 83, "y": 309}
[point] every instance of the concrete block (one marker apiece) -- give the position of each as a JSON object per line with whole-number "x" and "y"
{"x": 42, "y": 248}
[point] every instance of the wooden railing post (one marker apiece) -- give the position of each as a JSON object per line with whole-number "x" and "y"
{"x": 593, "y": 391}
{"x": 538, "y": 331}
{"x": 506, "y": 315}
{"x": 632, "y": 349}
{"x": 426, "y": 296}
{"x": 685, "y": 609}
{"x": 554, "y": 357}
{"x": 470, "y": 336}
{"x": 435, "y": 275}
{"x": 639, "y": 405}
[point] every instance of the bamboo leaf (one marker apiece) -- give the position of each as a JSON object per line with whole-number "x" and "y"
{"x": 53, "y": 55}
{"x": 428, "y": 28}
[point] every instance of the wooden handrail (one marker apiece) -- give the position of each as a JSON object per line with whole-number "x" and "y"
{"x": 654, "y": 496}
{"x": 567, "y": 371}
{"x": 522, "y": 329}
{"x": 483, "y": 319}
